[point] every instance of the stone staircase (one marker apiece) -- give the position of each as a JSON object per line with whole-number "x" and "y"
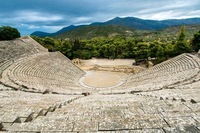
{"x": 21, "y": 107}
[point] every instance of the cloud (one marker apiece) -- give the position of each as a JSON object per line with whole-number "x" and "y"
{"x": 31, "y": 15}
{"x": 161, "y": 15}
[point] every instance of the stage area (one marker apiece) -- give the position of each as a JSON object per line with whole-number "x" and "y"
{"x": 102, "y": 79}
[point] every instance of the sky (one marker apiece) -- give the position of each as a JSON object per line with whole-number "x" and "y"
{"x": 52, "y": 15}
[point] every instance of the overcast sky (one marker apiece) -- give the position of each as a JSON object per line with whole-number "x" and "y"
{"x": 52, "y": 15}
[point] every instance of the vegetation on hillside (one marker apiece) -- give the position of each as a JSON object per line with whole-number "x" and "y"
{"x": 170, "y": 33}
{"x": 108, "y": 31}
{"x": 120, "y": 47}
{"x": 8, "y": 33}
{"x": 128, "y": 22}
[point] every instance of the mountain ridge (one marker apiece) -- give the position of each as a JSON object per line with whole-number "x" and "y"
{"x": 129, "y": 22}
{"x": 92, "y": 31}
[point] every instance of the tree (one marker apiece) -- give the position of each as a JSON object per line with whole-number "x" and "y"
{"x": 196, "y": 41}
{"x": 49, "y": 43}
{"x": 66, "y": 48}
{"x": 143, "y": 51}
{"x": 82, "y": 54}
{"x": 8, "y": 33}
{"x": 169, "y": 50}
{"x": 153, "y": 47}
{"x": 181, "y": 36}
{"x": 181, "y": 46}
{"x": 160, "y": 54}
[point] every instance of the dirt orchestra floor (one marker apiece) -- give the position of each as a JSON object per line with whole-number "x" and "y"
{"x": 100, "y": 79}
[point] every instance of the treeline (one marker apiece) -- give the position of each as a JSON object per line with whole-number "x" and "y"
{"x": 8, "y": 33}
{"x": 119, "y": 47}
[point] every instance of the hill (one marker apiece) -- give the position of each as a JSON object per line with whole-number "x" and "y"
{"x": 130, "y": 22}
{"x": 63, "y": 30}
{"x": 88, "y": 32}
{"x": 142, "y": 24}
{"x": 170, "y": 33}
{"x": 41, "y": 34}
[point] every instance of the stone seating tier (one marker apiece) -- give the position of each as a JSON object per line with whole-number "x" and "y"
{"x": 44, "y": 71}
{"x": 116, "y": 113}
{"x": 17, "y": 107}
{"x": 13, "y": 50}
{"x": 178, "y": 69}
{"x": 164, "y": 98}
{"x": 19, "y": 48}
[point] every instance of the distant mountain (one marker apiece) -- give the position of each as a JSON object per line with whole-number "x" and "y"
{"x": 41, "y": 34}
{"x": 66, "y": 29}
{"x": 135, "y": 23}
{"x": 129, "y": 22}
{"x": 87, "y": 32}
{"x": 142, "y": 24}
{"x": 63, "y": 30}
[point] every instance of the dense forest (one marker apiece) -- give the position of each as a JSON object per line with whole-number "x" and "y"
{"x": 123, "y": 47}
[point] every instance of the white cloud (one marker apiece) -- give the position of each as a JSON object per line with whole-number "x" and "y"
{"x": 195, "y": 13}
{"x": 40, "y": 15}
{"x": 33, "y": 16}
{"x": 42, "y": 27}
{"x": 52, "y": 28}
{"x": 82, "y": 19}
{"x": 161, "y": 15}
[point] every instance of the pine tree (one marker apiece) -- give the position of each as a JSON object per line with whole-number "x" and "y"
{"x": 196, "y": 41}
{"x": 181, "y": 45}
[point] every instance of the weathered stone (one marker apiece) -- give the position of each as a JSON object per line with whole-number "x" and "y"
{"x": 181, "y": 121}
{"x": 163, "y": 98}
{"x": 182, "y": 129}
{"x": 193, "y": 101}
{"x": 182, "y": 100}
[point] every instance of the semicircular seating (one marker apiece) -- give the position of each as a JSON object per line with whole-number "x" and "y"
{"x": 43, "y": 71}
{"x": 169, "y": 100}
{"x": 172, "y": 71}
{"x": 26, "y": 65}
{"x": 15, "y": 50}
